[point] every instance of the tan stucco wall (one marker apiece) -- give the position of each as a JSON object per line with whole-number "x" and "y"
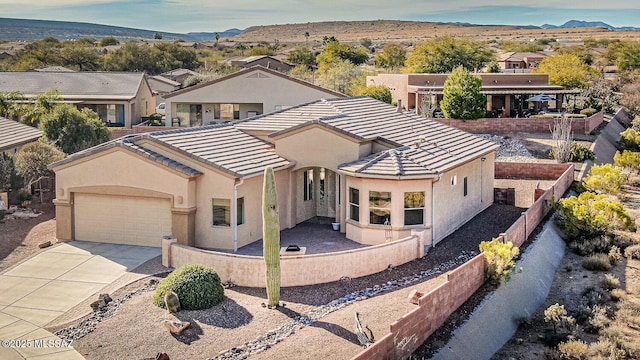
{"x": 452, "y": 209}
{"x": 144, "y": 103}
{"x": 267, "y": 89}
{"x": 364, "y": 233}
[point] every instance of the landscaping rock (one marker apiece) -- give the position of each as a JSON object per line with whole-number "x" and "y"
{"x": 176, "y": 327}
{"x": 44, "y": 244}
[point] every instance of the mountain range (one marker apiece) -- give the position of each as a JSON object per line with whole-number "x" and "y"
{"x": 26, "y": 29}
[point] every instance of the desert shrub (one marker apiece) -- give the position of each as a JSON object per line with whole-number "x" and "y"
{"x": 580, "y": 153}
{"x": 600, "y": 319}
{"x": 628, "y": 160}
{"x": 556, "y": 315}
{"x": 623, "y": 239}
{"x": 615, "y": 255}
{"x": 590, "y": 215}
{"x": 604, "y": 179}
{"x": 629, "y": 140}
{"x": 632, "y": 252}
{"x": 198, "y": 287}
{"x": 588, "y": 111}
{"x": 597, "y": 262}
{"x": 618, "y": 294}
{"x": 499, "y": 258}
{"x": 611, "y": 282}
{"x": 593, "y": 296}
{"x": 574, "y": 350}
{"x": 589, "y": 246}
{"x": 605, "y": 349}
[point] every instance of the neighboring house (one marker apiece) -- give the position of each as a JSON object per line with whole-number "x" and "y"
{"x": 53, "y": 69}
{"x": 13, "y": 135}
{"x": 521, "y": 60}
{"x": 161, "y": 86}
{"x": 423, "y": 92}
{"x": 120, "y": 99}
{"x": 179, "y": 75}
{"x": 267, "y": 61}
{"x": 382, "y": 174}
{"x": 243, "y": 94}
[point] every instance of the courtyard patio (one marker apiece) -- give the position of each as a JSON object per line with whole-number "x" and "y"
{"x": 316, "y": 235}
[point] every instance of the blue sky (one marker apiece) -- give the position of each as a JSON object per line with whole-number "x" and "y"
{"x": 217, "y": 15}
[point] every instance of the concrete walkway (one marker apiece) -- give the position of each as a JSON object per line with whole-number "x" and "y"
{"x": 45, "y": 286}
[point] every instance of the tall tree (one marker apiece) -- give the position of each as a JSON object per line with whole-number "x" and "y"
{"x": 392, "y": 56}
{"x": 11, "y": 104}
{"x": 378, "y": 92}
{"x": 442, "y": 55}
{"x": 334, "y": 50}
{"x": 566, "y": 70}
{"x": 462, "y": 97}
{"x": 72, "y": 130}
{"x": 339, "y": 75}
{"x": 302, "y": 56}
{"x": 42, "y": 105}
{"x": 32, "y": 161}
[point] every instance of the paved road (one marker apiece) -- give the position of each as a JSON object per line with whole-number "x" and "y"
{"x": 45, "y": 286}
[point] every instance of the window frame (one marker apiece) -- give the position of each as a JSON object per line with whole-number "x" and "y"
{"x": 227, "y": 212}
{"x": 240, "y": 220}
{"x": 307, "y": 183}
{"x": 465, "y": 190}
{"x": 386, "y": 208}
{"x": 354, "y": 205}
{"x": 405, "y": 208}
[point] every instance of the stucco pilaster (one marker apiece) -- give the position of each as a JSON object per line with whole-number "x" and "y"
{"x": 183, "y": 225}
{"x": 64, "y": 220}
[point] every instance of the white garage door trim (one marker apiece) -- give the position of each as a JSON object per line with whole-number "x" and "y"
{"x": 119, "y": 219}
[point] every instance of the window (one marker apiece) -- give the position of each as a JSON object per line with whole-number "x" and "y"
{"x": 240, "y": 211}
{"x": 454, "y": 180}
{"x": 221, "y": 212}
{"x": 379, "y": 207}
{"x": 226, "y": 111}
{"x": 354, "y": 204}
{"x": 308, "y": 185}
{"x": 321, "y": 184}
{"x": 189, "y": 114}
{"x": 465, "y": 186}
{"x": 414, "y": 208}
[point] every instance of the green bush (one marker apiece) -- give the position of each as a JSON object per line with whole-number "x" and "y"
{"x": 615, "y": 255}
{"x": 198, "y": 287}
{"x": 590, "y": 215}
{"x": 597, "y": 262}
{"x": 632, "y": 252}
{"x": 588, "y": 111}
{"x": 580, "y": 153}
{"x": 628, "y": 160}
{"x": 574, "y": 350}
{"x": 604, "y": 179}
{"x": 499, "y": 258}
{"x": 629, "y": 140}
{"x": 155, "y": 119}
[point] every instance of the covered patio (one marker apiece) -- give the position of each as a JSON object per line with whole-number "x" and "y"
{"x": 315, "y": 234}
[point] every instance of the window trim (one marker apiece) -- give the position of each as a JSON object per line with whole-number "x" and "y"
{"x": 388, "y": 209}
{"x": 240, "y": 219}
{"x": 227, "y": 209}
{"x": 465, "y": 187}
{"x": 405, "y": 208}
{"x": 307, "y": 183}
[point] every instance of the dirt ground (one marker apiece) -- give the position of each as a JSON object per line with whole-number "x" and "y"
{"x": 19, "y": 238}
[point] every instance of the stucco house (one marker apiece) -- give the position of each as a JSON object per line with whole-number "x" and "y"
{"x": 518, "y": 60}
{"x": 423, "y": 92}
{"x": 243, "y": 94}
{"x": 120, "y": 99}
{"x": 161, "y": 85}
{"x": 267, "y": 61}
{"x": 13, "y": 135}
{"x": 379, "y": 172}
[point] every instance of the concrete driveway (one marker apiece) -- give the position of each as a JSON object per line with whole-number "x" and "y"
{"x": 45, "y": 286}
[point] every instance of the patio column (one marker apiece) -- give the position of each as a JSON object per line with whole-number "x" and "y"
{"x": 507, "y": 105}
{"x": 341, "y": 212}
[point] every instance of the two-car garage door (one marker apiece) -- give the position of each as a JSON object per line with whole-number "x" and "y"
{"x": 121, "y": 219}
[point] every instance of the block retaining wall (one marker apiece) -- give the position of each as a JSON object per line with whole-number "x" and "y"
{"x": 410, "y": 331}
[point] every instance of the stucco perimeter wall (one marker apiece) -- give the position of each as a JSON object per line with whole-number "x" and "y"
{"x": 297, "y": 270}
{"x": 507, "y": 125}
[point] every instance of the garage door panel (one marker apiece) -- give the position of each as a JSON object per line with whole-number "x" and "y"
{"x": 121, "y": 220}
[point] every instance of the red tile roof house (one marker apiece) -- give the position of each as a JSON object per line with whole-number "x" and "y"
{"x": 120, "y": 99}
{"x": 382, "y": 174}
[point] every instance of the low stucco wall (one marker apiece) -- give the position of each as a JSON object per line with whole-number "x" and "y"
{"x": 297, "y": 270}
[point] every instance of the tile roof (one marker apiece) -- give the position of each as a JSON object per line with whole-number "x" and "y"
{"x": 222, "y": 147}
{"x": 127, "y": 143}
{"x": 442, "y": 147}
{"x": 80, "y": 85}
{"x": 14, "y": 134}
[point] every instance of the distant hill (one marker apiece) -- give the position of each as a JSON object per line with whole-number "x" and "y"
{"x": 24, "y": 29}
{"x": 588, "y": 24}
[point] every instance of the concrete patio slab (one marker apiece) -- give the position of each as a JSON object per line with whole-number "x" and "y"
{"x": 48, "y": 265}
{"x": 10, "y": 354}
{"x": 13, "y": 288}
{"x": 60, "y": 295}
{"x": 41, "y": 344}
{"x": 63, "y": 355}
{"x": 97, "y": 269}
{"x": 6, "y": 319}
{"x": 17, "y": 329}
{"x": 66, "y": 248}
{"x": 38, "y": 317}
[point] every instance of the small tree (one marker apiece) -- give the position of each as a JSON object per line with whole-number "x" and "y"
{"x": 604, "y": 179}
{"x": 494, "y": 67}
{"x": 72, "y": 130}
{"x": 566, "y": 70}
{"x": 32, "y": 161}
{"x": 556, "y": 314}
{"x": 6, "y": 170}
{"x": 378, "y": 92}
{"x": 563, "y": 138}
{"x": 500, "y": 258}
{"x": 392, "y": 56}
{"x": 108, "y": 41}
{"x": 462, "y": 98}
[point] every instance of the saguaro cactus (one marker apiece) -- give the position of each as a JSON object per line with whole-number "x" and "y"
{"x": 271, "y": 236}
